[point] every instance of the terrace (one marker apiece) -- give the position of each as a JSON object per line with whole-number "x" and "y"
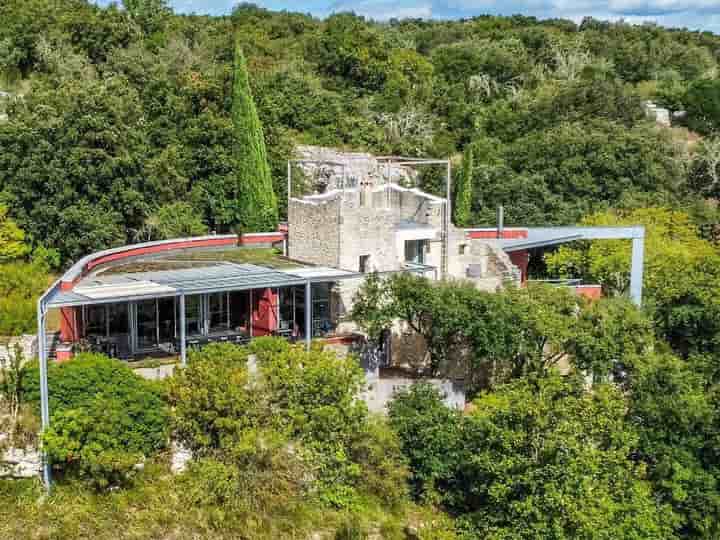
{"x": 159, "y": 298}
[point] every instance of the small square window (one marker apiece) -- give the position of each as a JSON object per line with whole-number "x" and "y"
{"x": 364, "y": 265}
{"x": 462, "y": 250}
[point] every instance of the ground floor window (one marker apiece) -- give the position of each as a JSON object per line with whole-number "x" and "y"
{"x": 194, "y": 316}
{"x": 415, "y": 251}
{"x": 219, "y": 311}
{"x": 322, "y": 323}
{"x": 127, "y": 329}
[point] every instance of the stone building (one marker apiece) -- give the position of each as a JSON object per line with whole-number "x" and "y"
{"x": 372, "y": 220}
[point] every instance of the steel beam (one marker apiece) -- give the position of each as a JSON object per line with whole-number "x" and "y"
{"x": 308, "y": 315}
{"x": 183, "y": 345}
{"x": 547, "y": 236}
{"x": 636, "y": 269}
{"x": 44, "y": 394}
{"x": 587, "y": 233}
{"x": 448, "y": 218}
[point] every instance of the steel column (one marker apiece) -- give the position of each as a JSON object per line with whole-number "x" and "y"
{"x": 183, "y": 345}
{"x": 448, "y": 219}
{"x": 251, "y": 314}
{"x": 636, "y": 270}
{"x": 44, "y": 394}
{"x": 308, "y": 315}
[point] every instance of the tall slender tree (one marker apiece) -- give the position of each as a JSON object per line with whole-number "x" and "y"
{"x": 256, "y": 204}
{"x": 464, "y": 189}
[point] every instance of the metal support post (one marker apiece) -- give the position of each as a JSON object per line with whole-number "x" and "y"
{"x": 448, "y": 218}
{"x": 308, "y": 315}
{"x": 250, "y": 325}
{"x": 636, "y": 270}
{"x": 289, "y": 185}
{"x": 500, "y": 221}
{"x": 44, "y": 394}
{"x": 183, "y": 341}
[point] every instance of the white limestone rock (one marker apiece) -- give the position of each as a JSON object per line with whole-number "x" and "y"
{"x": 20, "y": 463}
{"x": 181, "y": 456}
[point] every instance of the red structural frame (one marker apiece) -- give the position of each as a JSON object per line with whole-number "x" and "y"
{"x": 136, "y": 251}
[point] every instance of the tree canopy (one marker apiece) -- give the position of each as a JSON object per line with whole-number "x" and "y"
{"x": 125, "y": 110}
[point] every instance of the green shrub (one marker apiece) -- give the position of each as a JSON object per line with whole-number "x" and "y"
{"x": 376, "y": 449}
{"x": 213, "y": 400}
{"x": 104, "y": 417}
{"x": 304, "y": 405}
{"x": 702, "y": 103}
{"x": 316, "y": 390}
{"x": 430, "y": 435}
{"x": 20, "y": 285}
{"x": 227, "y": 353}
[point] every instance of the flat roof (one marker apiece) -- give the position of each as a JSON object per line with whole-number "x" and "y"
{"x": 227, "y": 276}
{"x": 549, "y": 236}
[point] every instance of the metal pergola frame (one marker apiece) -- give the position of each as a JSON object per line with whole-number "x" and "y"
{"x": 52, "y": 299}
{"x": 550, "y": 236}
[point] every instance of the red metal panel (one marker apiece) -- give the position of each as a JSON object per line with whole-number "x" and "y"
{"x": 264, "y": 312}
{"x": 270, "y": 238}
{"x": 521, "y": 259}
{"x": 134, "y": 252}
{"x": 593, "y": 292}
{"x": 68, "y": 325}
{"x": 490, "y": 234}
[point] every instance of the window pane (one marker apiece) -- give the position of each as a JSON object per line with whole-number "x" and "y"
{"x": 240, "y": 310}
{"x": 287, "y": 310}
{"x": 217, "y": 304}
{"x": 193, "y": 323}
{"x": 119, "y": 325}
{"x": 147, "y": 324}
{"x": 166, "y": 311}
{"x": 118, "y": 319}
{"x": 95, "y": 321}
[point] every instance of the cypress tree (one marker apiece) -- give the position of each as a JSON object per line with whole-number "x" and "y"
{"x": 464, "y": 190}
{"x": 256, "y": 204}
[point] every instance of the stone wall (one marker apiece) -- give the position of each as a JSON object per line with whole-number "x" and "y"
{"x": 314, "y": 232}
{"x": 28, "y": 345}
{"x": 368, "y": 231}
{"x": 382, "y": 390}
{"x": 18, "y": 462}
{"x": 355, "y": 165}
{"x": 481, "y": 261}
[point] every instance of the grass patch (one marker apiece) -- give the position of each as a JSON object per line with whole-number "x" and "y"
{"x": 270, "y": 257}
{"x": 155, "y": 507}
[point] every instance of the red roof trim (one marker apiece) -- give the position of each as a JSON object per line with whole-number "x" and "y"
{"x": 491, "y": 234}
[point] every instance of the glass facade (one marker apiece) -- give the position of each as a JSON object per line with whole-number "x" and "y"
{"x": 127, "y": 329}
{"x": 219, "y": 311}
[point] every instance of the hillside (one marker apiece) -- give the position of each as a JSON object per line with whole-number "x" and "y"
{"x": 127, "y": 112}
{"x": 587, "y": 419}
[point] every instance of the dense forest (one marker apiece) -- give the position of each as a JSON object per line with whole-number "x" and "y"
{"x": 117, "y": 114}
{"x": 121, "y": 124}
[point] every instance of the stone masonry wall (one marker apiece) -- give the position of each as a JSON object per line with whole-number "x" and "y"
{"x": 313, "y": 236}
{"x": 368, "y": 231}
{"x": 28, "y": 345}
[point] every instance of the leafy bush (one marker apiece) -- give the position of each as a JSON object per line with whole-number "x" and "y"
{"x": 104, "y": 418}
{"x": 297, "y": 403}
{"x": 537, "y": 458}
{"x": 676, "y": 418}
{"x": 317, "y": 392}
{"x": 213, "y": 400}
{"x": 175, "y": 220}
{"x": 20, "y": 285}
{"x": 702, "y": 103}
{"x": 262, "y": 475}
{"x": 430, "y": 435}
